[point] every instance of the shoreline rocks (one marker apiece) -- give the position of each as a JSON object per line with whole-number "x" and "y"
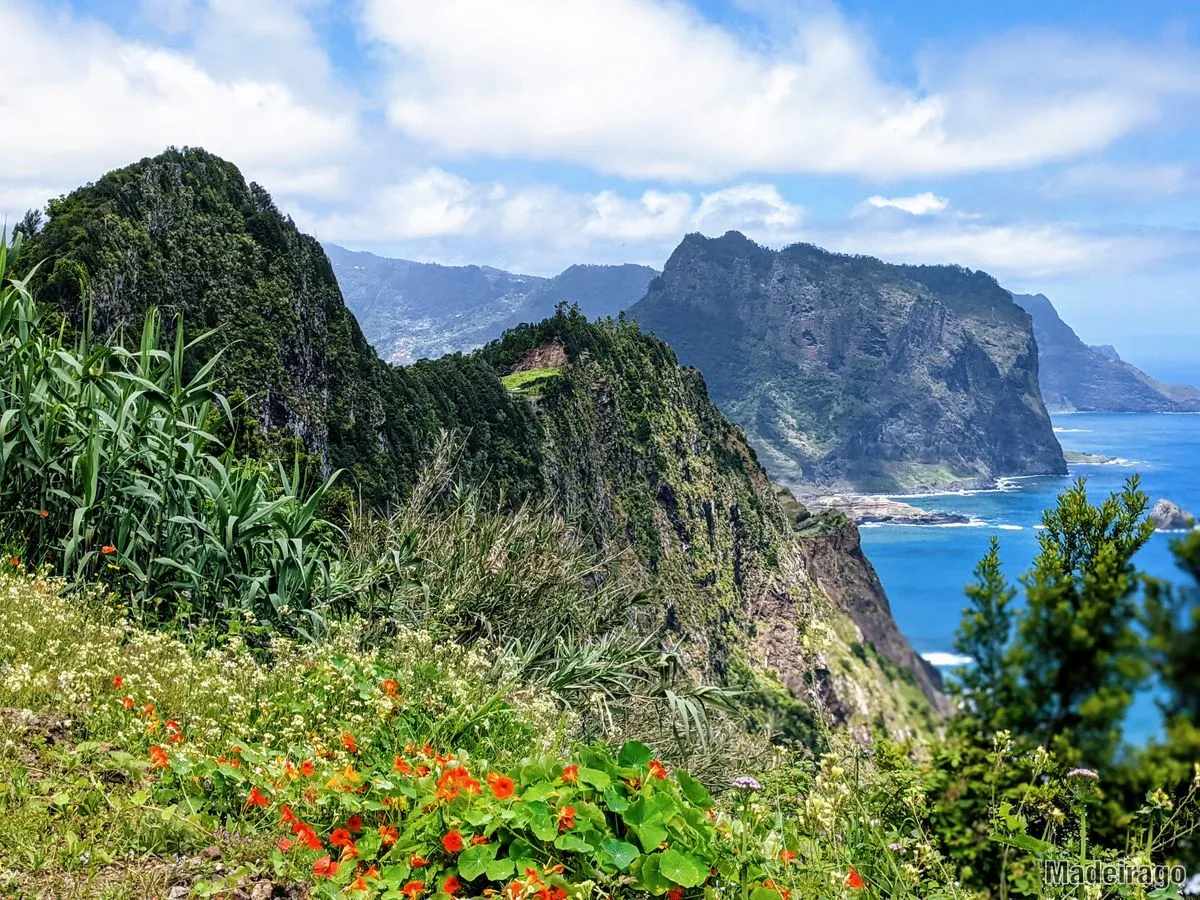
{"x": 1168, "y": 516}
{"x": 868, "y": 508}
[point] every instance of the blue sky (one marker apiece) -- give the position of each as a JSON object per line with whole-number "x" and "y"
{"x": 1049, "y": 143}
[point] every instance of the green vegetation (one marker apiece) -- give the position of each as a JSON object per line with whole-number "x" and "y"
{"x": 525, "y": 379}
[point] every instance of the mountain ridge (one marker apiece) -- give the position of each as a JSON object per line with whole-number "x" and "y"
{"x": 1077, "y": 377}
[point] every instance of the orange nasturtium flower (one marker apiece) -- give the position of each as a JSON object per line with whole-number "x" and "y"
{"x": 118, "y": 681}
{"x": 325, "y": 867}
{"x": 341, "y": 838}
{"x": 108, "y": 549}
{"x": 349, "y": 743}
{"x": 256, "y": 797}
{"x": 675, "y": 893}
{"x": 451, "y": 886}
{"x": 657, "y": 769}
{"x": 388, "y": 835}
{"x": 787, "y": 855}
{"x": 359, "y": 884}
{"x": 479, "y": 839}
{"x": 354, "y": 823}
{"x": 306, "y": 767}
{"x": 417, "y": 862}
{"x": 43, "y": 513}
{"x": 566, "y": 818}
{"x": 413, "y": 889}
{"x": 854, "y": 880}
{"x": 285, "y": 844}
{"x": 570, "y": 773}
{"x": 501, "y": 785}
{"x": 158, "y": 758}
{"x": 307, "y": 836}
{"x": 452, "y": 841}
{"x": 127, "y": 702}
{"x": 401, "y": 766}
{"x": 391, "y": 688}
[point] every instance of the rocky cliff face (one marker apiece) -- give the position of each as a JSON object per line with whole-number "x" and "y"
{"x": 1076, "y": 377}
{"x": 635, "y": 447}
{"x": 411, "y": 310}
{"x": 848, "y": 372}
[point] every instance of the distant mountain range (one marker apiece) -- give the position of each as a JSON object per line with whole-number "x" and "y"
{"x": 411, "y": 310}
{"x": 1078, "y": 377}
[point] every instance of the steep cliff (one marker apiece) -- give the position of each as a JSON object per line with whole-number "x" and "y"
{"x": 849, "y": 372}
{"x": 1076, "y": 377}
{"x": 410, "y": 310}
{"x": 761, "y": 596}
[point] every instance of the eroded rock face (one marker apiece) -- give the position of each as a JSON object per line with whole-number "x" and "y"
{"x": 1167, "y": 516}
{"x": 847, "y": 372}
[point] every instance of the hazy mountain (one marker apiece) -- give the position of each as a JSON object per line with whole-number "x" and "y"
{"x": 411, "y": 310}
{"x": 1075, "y": 376}
{"x": 846, "y": 371}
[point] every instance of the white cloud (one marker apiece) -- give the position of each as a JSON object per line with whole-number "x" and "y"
{"x": 1142, "y": 182}
{"x": 79, "y": 100}
{"x": 649, "y": 89}
{"x": 917, "y": 204}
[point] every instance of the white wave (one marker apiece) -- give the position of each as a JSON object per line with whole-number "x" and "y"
{"x": 1011, "y": 527}
{"x": 973, "y": 523}
{"x": 944, "y": 660}
{"x": 1072, "y": 431}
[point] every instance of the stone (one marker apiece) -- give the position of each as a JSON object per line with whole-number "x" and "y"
{"x": 1167, "y": 516}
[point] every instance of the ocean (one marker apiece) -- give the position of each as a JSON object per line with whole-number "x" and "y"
{"x": 924, "y": 569}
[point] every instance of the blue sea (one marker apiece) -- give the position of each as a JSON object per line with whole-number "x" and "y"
{"x": 925, "y": 568}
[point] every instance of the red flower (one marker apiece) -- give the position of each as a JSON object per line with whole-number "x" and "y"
{"x": 401, "y": 766}
{"x": 478, "y": 839}
{"x": 657, "y": 769}
{"x": 127, "y": 702}
{"x": 325, "y": 867}
{"x": 158, "y": 758}
{"x": 566, "y": 818}
{"x": 417, "y": 862}
{"x": 391, "y": 687}
{"x": 413, "y": 889}
{"x": 501, "y": 785}
{"x": 285, "y": 844}
{"x": 286, "y": 816}
{"x": 354, "y": 823}
{"x": 341, "y": 838}
{"x": 675, "y": 893}
{"x": 307, "y": 836}
{"x": 359, "y": 884}
{"x": 452, "y": 841}
{"x": 455, "y": 780}
{"x": 15, "y": 562}
{"x": 388, "y": 835}
{"x": 306, "y": 767}
{"x": 787, "y": 855}
{"x": 570, "y": 773}
{"x": 256, "y": 798}
{"x": 853, "y": 880}
{"x": 118, "y": 681}
{"x": 43, "y": 513}
{"x": 349, "y": 743}
{"x": 451, "y": 886}
{"x": 108, "y": 549}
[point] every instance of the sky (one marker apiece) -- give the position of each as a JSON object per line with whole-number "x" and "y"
{"x": 1050, "y": 143}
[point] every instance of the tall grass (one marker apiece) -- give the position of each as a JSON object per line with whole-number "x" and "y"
{"x": 111, "y": 471}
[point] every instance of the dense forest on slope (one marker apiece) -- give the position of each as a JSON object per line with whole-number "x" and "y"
{"x": 183, "y": 232}
{"x": 1077, "y": 377}
{"x": 849, "y": 372}
{"x": 410, "y": 310}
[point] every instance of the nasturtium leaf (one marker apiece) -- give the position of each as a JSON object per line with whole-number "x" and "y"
{"x": 539, "y": 791}
{"x": 597, "y": 779}
{"x": 682, "y": 868}
{"x": 694, "y": 790}
{"x": 499, "y": 869}
{"x": 762, "y": 893}
{"x": 651, "y": 834}
{"x": 474, "y": 860}
{"x": 621, "y": 853}
{"x": 572, "y": 843}
{"x": 646, "y": 871}
{"x": 635, "y": 753}
{"x": 615, "y": 800}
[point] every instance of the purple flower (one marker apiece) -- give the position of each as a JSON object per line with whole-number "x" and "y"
{"x": 1089, "y": 774}
{"x": 746, "y": 783}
